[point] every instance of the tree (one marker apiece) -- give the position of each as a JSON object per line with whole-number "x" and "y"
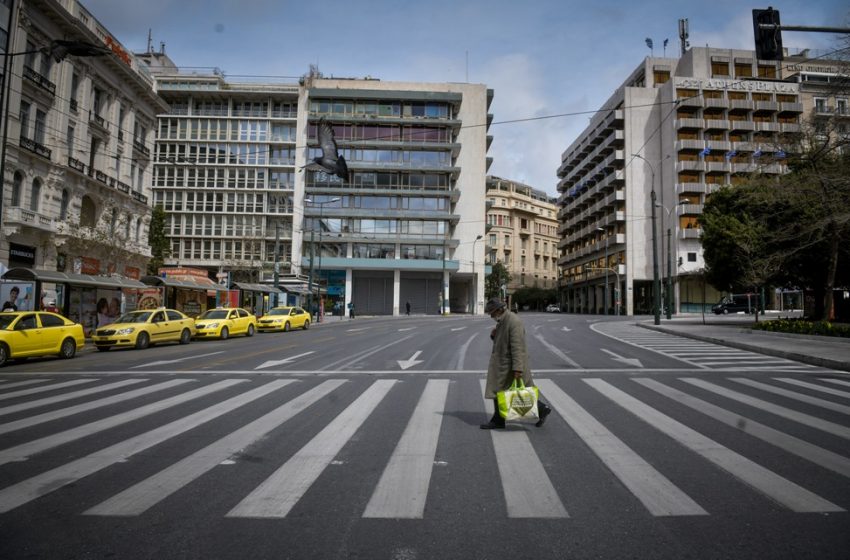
{"x": 498, "y": 277}
{"x": 157, "y": 240}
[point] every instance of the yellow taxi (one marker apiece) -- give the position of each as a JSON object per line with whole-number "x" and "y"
{"x": 222, "y": 322}
{"x": 142, "y": 328}
{"x": 26, "y": 334}
{"x": 284, "y": 319}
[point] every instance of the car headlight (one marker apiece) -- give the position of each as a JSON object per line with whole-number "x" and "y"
{"x": 211, "y": 325}
{"x": 128, "y": 330}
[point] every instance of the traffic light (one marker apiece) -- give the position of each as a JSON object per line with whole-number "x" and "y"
{"x": 768, "y": 40}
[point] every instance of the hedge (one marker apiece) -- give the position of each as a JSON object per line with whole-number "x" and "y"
{"x": 801, "y": 326}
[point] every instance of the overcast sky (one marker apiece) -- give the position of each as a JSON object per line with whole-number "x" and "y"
{"x": 542, "y": 57}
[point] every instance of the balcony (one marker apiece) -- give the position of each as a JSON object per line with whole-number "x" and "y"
{"x": 742, "y": 125}
{"x": 98, "y": 124}
{"x": 690, "y": 165}
{"x": 35, "y": 147}
{"x": 690, "y": 188}
{"x": 141, "y": 148}
{"x": 695, "y": 101}
{"x": 769, "y": 106}
{"x": 717, "y": 103}
{"x": 741, "y": 104}
{"x": 42, "y": 83}
{"x": 789, "y": 127}
{"x": 716, "y": 124}
{"x": 689, "y": 233}
{"x": 77, "y": 165}
{"x": 688, "y": 209}
{"x": 767, "y": 127}
{"x": 18, "y": 216}
{"x": 790, "y": 107}
{"x": 688, "y": 123}
{"x": 689, "y": 145}
{"x": 74, "y": 106}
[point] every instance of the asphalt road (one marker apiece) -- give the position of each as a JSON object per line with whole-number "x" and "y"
{"x": 360, "y": 439}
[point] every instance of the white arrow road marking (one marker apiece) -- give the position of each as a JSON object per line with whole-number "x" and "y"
{"x": 566, "y": 329}
{"x": 407, "y": 329}
{"x": 356, "y": 330}
{"x": 404, "y": 364}
{"x": 161, "y": 362}
{"x": 271, "y": 363}
{"x": 459, "y": 329}
{"x": 628, "y": 361}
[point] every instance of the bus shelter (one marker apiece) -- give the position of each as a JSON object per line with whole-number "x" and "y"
{"x": 92, "y": 301}
{"x": 256, "y": 298}
{"x": 191, "y": 296}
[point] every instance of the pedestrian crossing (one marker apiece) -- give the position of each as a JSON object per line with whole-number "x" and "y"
{"x": 743, "y": 430}
{"x": 704, "y": 355}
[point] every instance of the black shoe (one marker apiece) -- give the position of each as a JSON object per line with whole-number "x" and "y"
{"x": 491, "y": 425}
{"x": 543, "y": 410}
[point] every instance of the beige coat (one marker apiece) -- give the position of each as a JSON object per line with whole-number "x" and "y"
{"x": 509, "y": 355}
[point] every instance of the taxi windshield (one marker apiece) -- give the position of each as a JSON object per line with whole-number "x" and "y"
{"x": 134, "y": 317}
{"x": 284, "y": 311}
{"x": 214, "y": 314}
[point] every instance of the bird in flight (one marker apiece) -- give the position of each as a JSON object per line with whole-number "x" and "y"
{"x": 330, "y": 161}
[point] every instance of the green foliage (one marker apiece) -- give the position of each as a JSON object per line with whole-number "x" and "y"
{"x": 801, "y": 326}
{"x": 157, "y": 240}
{"x": 498, "y": 277}
{"x": 535, "y": 298}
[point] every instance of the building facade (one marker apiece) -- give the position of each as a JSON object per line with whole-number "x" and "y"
{"x": 680, "y": 128}
{"x": 522, "y": 233}
{"x": 229, "y": 159}
{"x": 76, "y": 147}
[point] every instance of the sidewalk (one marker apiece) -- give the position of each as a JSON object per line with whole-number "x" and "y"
{"x": 734, "y": 331}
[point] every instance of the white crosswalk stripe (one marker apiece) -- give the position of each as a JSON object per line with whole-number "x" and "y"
{"x": 531, "y": 484}
{"x": 26, "y": 392}
{"x": 699, "y": 354}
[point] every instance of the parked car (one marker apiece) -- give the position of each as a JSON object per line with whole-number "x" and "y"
{"x": 140, "y": 329}
{"x": 552, "y": 308}
{"x": 736, "y": 304}
{"x": 284, "y": 319}
{"x": 222, "y": 322}
{"x": 26, "y": 334}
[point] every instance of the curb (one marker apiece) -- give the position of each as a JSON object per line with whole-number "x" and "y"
{"x": 804, "y": 358}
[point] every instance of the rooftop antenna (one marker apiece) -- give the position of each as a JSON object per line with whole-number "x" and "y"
{"x": 683, "y": 35}
{"x": 150, "y": 41}
{"x": 467, "y": 67}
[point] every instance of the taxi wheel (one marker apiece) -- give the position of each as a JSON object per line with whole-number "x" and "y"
{"x": 142, "y": 341}
{"x": 185, "y": 337}
{"x": 286, "y": 327}
{"x": 4, "y": 354}
{"x": 225, "y": 333}
{"x": 250, "y": 330}
{"x": 68, "y": 349}
{"x": 306, "y": 325}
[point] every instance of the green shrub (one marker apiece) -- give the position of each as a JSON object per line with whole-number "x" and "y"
{"x": 802, "y": 326}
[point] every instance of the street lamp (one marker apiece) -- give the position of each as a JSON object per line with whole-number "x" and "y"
{"x": 475, "y": 275}
{"x": 656, "y": 283}
{"x": 669, "y": 298}
{"x": 321, "y": 206}
{"x": 58, "y": 49}
{"x": 605, "y": 300}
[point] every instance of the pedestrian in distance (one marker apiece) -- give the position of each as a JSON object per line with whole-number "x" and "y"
{"x": 351, "y": 310}
{"x": 407, "y": 307}
{"x": 508, "y": 361}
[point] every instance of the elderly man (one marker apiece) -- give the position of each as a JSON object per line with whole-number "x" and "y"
{"x": 508, "y": 361}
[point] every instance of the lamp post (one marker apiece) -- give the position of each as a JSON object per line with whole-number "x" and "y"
{"x": 656, "y": 283}
{"x": 58, "y": 49}
{"x": 669, "y": 280}
{"x": 605, "y": 300}
{"x": 277, "y": 263}
{"x": 321, "y": 206}
{"x": 475, "y": 276}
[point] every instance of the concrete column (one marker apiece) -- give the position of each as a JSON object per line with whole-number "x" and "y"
{"x": 348, "y": 285}
{"x": 396, "y": 290}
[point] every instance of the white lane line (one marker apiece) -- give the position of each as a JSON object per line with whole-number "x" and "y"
{"x": 367, "y": 353}
{"x": 813, "y": 387}
{"x": 24, "y": 383}
{"x": 68, "y": 396}
{"x": 403, "y": 489}
{"x": 557, "y": 351}
{"x": 528, "y": 491}
{"x": 357, "y": 330}
{"x": 654, "y": 490}
{"x": 163, "y": 362}
{"x": 818, "y": 455}
{"x": 149, "y": 492}
{"x": 822, "y": 403}
{"x": 71, "y": 410}
{"x": 458, "y": 329}
{"x": 782, "y": 490}
{"x": 461, "y": 355}
{"x": 40, "y": 485}
{"x": 276, "y": 496}
{"x": 806, "y": 419}
{"x": 836, "y": 381}
{"x": 43, "y": 389}
{"x": 407, "y": 329}
{"x": 25, "y": 450}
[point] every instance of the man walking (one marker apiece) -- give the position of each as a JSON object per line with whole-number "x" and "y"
{"x": 508, "y": 361}
{"x": 407, "y": 307}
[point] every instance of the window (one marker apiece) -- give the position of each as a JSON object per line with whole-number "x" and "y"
{"x": 17, "y": 183}
{"x": 692, "y": 257}
{"x": 40, "y": 124}
{"x": 88, "y": 210}
{"x": 661, "y": 76}
{"x": 63, "y": 205}
{"x": 35, "y": 194}
{"x": 841, "y": 106}
{"x": 70, "y": 141}
{"x": 75, "y": 86}
{"x": 767, "y": 71}
{"x": 820, "y": 105}
{"x": 743, "y": 70}
{"x": 25, "y": 119}
{"x": 719, "y": 69}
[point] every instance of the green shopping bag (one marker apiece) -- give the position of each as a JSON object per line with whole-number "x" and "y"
{"x": 518, "y": 402}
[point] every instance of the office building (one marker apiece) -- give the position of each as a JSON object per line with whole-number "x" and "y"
{"x": 522, "y": 233}
{"x": 681, "y": 128}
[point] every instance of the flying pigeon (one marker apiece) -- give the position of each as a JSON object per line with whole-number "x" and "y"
{"x": 330, "y": 161}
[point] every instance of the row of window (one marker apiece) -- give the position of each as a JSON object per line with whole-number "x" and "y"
{"x": 388, "y": 251}
{"x": 235, "y": 130}
{"x": 222, "y": 178}
{"x": 365, "y": 226}
{"x": 381, "y": 202}
{"x": 380, "y": 108}
{"x": 225, "y": 154}
{"x": 382, "y": 180}
{"x": 397, "y": 157}
{"x": 385, "y": 133}
{"x": 279, "y": 109}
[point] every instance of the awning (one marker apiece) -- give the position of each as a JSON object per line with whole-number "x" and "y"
{"x": 248, "y": 287}
{"x": 301, "y": 288}
{"x": 196, "y": 284}
{"x": 56, "y": 277}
